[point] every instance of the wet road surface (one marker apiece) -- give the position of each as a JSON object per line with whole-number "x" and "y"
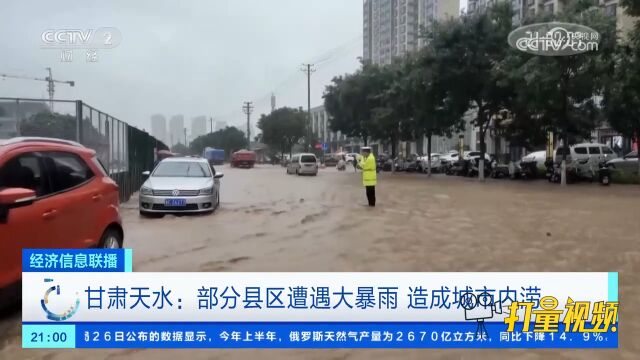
{"x": 269, "y": 221}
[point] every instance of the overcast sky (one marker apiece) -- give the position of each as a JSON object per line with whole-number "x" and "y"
{"x": 189, "y": 57}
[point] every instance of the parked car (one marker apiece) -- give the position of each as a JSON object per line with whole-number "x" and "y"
{"x": 448, "y": 159}
{"x": 180, "y": 184}
{"x": 409, "y": 163}
{"x": 584, "y": 159}
{"x": 53, "y": 194}
{"x": 532, "y": 165}
{"x": 474, "y": 155}
{"x": 436, "y": 163}
{"x": 625, "y": 167}
{"x": 628, "y": 162}
{"x": 302, "y": 164}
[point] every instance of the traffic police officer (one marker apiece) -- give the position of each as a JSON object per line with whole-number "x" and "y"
{"x": 367, "y": 163}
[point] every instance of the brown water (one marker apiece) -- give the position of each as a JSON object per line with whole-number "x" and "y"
{"x": 269, "y": 221}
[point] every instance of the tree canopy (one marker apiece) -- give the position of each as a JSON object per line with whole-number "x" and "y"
{"x": 282, "y": 128}
{"x": 467, "y": 67}
{"x": 229, "y": 139}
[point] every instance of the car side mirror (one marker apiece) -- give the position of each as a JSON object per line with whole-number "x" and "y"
{"x": 218, "y": 175}
{"x": 11, "y": 198}
{"x": 146, "y": 173}
{"x": 16, "y": 197}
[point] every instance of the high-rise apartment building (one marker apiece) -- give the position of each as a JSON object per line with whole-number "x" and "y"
{"x": 198, "y": 126}
{"x": 430, "y": 11}
{"x": 393, "y": 27}
{"x": 159, "y": 127}
{"x": 529, "y": 8}
{"x": 176, "y": 130}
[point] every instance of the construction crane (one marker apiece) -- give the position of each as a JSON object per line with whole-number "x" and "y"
{"x": 50, "y": 83}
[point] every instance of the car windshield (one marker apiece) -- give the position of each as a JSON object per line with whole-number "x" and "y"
{"x": 182, "y": 169}
{"x": 308, "y": 159}
{"x": 631, "y": 155}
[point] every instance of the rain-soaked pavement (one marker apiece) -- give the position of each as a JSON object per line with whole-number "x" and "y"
{"x": 269, "y": 221}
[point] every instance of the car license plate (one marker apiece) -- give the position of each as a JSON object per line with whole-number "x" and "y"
{"x": 175, "y": 202}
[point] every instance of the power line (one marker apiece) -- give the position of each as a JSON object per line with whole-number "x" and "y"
{"x": 324, "y": 58}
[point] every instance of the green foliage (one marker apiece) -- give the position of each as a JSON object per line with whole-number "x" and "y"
{"x": 351, "y": 101}
{"x": 282, "y": 128}
{"x": 467, "y": 65}
{"x": 54, "y": 125}
{"x": 560, "y": 93}
{"x": 466, "y": 52}
{"x": 181, "y": 149}
{"x": 229, "y": 139}
{"x": 622, "y": 98}
{"x": 632, "y": 7}
{"x": 392, "y": 115}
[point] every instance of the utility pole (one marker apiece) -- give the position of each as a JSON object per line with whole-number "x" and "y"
{"x": 211, "y": 124}
{"x": 50, "y": 88}
{"x": 247, "y": 108}
{"x": 308, "y": 69}
{"x": 185, "y": 136}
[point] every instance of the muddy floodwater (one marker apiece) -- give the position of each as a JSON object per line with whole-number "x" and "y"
{"x": 269, "y": 221}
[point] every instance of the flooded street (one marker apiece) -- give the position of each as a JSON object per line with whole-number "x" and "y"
{"x": 269, "y": 221}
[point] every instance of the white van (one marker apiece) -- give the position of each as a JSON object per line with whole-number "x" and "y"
{"x": 585, "y": 157}
{"x": 303, "y": 164}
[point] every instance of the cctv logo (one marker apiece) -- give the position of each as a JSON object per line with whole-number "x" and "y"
{"x": 67, "y": 37}
{"x": 101, "y": 38}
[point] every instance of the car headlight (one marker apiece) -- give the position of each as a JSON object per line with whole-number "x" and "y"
{"x": 146, "y": 191}
{"x": 207, "y": 191}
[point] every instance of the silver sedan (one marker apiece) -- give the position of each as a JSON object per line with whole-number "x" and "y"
{"x": 180, "y": 184}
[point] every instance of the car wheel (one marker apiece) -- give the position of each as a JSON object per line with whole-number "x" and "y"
{"x": 298, "y": 172}
{"x": 111, "y": 239}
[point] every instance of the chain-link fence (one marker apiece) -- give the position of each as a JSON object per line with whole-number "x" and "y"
{"x": 124, "y": 150}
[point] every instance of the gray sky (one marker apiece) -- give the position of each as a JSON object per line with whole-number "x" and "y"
{"x": 189, "y": 57}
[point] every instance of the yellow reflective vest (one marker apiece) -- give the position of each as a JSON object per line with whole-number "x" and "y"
{"x": 368, "y": 166}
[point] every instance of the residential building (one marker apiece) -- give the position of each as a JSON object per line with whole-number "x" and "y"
{"x": 176, "y": 130}
{"x": 198, "y": 126}
{"x": 321, "y": 130}
{"x": 529, "y": 8}
{"x": 431, "y": 11}
{"x": 159, "y": 127}
{"x": 392, "y": 27}
{"x": 379, "y": 31}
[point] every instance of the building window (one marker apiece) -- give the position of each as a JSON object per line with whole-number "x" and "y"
{"x": 549, "y": 8}
{"x": 611, "y": 9}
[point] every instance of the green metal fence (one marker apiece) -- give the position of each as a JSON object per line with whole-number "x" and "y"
{"x": 124, "y": 150}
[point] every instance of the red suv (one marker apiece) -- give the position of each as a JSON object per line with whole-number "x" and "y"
{"x": 53, "y": 194}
